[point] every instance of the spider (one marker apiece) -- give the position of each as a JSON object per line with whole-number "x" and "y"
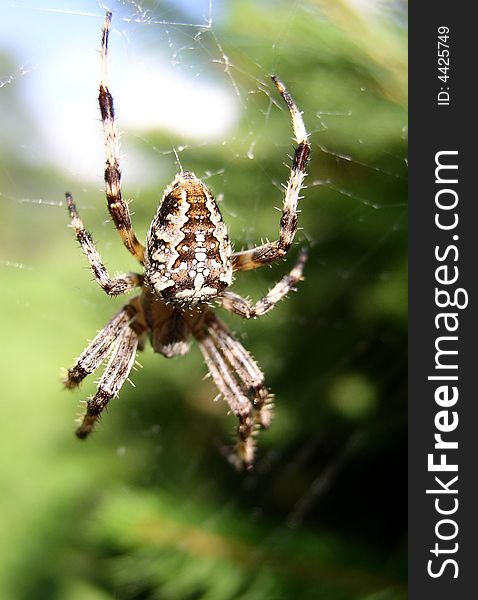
{"x": 188, "y": 263}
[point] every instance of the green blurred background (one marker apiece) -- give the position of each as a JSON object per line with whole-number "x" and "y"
{"x": 149, "y": 507}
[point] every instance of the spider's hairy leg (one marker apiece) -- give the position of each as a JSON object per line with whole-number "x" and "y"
{"x": 119, "y": 366}
{"x": 117, "y": 206}
{"x": 240, "y": 382}
{"x": 245, "y": 368}
{"x": 242, "y": 307}
{"x": 112, "y": 286}
{"x": 234, "y": 396}
{"x": 272, "y": 251}
{"x": 92, "y": 357}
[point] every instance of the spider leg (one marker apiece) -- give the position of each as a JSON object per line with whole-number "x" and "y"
{"x": 92, "y": 357}
{"x": 117, "y": 207}
{"x": 240, "y": 382}
{"x": 112, "y": 286}
{"x": 117, "y": 370}
{"x": 246, "y": 369}
{"x": 242, "y": 307}
{"x": 272, "y": 251}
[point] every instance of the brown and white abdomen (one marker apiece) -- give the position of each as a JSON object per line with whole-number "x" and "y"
{"x": 188, "y": 254}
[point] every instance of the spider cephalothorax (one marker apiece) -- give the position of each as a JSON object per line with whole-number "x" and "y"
{"x": 188, "y": 263}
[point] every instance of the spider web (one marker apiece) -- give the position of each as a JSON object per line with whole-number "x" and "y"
{"x": 192, "y": 89}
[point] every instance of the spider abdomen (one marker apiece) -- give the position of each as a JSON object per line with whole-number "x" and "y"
{"x": 188, "y": 254}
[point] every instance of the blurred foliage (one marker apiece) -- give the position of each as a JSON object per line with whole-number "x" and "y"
{"x": 149, "y": 507}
